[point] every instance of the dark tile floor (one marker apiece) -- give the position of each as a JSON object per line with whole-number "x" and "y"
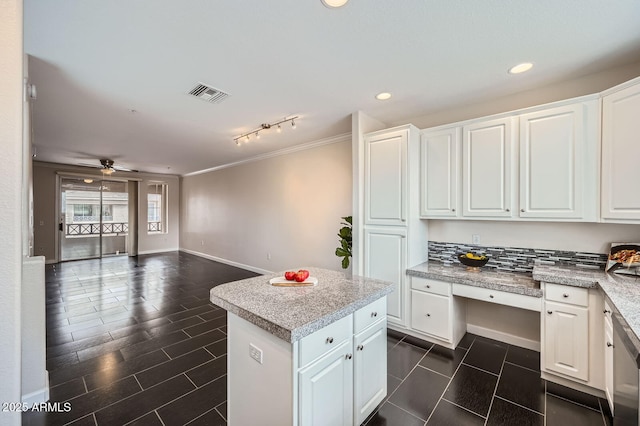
{"x": 481, "y": 382}
{"x": 135, "y": 341}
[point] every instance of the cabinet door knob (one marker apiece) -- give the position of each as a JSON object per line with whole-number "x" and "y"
{"x": 609, "y": 344}
{"x": 428, "y": 315}
{"x": 521, "y": 210}
{"x": 329, "y": 340}
{"x": 565, "y": 295}
{"x": 549, "y": 312}
{"x": 360, "y": 347}
{"x": 606, "y": 311}
{"x": 453, "y": 210}
{"x": 374, "y": 314}
{"x": 491, "y": 296}
{"x": 508, "y": 210}
{"x": 348, "y": 356}
{"x": 428, "y": 286}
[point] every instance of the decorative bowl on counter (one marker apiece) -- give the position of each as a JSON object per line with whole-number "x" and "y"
{"x": 473, "y": 260}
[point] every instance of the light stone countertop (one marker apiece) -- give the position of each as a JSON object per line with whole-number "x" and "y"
{"x": 292, "y": 313}
{"x": 485, "y": 277}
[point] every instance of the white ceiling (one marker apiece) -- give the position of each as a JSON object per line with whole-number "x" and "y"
{"x": 93, "y": 61}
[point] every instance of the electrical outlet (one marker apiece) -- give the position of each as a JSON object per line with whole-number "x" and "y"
{"x": 475, "y": 239}
{"x": 255, "y": 352}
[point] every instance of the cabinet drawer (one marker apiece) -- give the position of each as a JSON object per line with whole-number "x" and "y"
{"x": 431, "y": 286}
{"x": 371, "y": 313}
{"x": 566, "y": 294}
{"x": 322, "y": 341}
{"x": 500, "y": 297}
{"x": 431, "y": 314}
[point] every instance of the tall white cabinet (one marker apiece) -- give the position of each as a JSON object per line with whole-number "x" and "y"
{"x": 620, "y": 153}
{"x": 394, "y": 238}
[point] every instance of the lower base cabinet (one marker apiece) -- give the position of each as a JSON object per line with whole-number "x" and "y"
{"x": 335, "y": 376}
{"x": 326, "y": 389}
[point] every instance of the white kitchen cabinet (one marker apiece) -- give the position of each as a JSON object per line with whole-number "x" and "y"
{"x": 566, "y": 329}
{"x": 370, "y": 366}
{"x": 385, "y": 259}
{"x": 385, "y": 181}
{"x": 439, "y": 173}
{"x": 620, "y": 152}
{"x": 326, "y": 389}
{"x": 558, "y": 162}
{"x": 488, "y": 161}
{"x": 436, "y": 315}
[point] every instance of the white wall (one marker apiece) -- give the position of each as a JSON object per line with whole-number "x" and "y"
{"x": 45, "y": 217}
{"x": 10, "y": 203}
{"x": 288, "y": 206}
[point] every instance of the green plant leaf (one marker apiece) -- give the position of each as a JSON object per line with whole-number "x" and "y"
{"x": 345, "y": 263}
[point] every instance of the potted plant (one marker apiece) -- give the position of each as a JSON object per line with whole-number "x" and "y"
{"x": 344, "y": 235}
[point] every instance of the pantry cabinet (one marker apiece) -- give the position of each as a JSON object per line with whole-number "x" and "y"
{"x": 385, "y": 182}
{"x": 488, "y": 168}
{"x": 620, "y": 152}
{"x": 385, "y": 259}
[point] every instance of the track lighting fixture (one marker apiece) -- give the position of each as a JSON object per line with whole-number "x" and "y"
{"x": 265, "y": 126}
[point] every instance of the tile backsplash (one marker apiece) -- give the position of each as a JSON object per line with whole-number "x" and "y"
{"x": 515, "y": 259}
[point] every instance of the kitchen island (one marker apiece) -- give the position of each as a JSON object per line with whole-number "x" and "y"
{"x": 305, "y": 355}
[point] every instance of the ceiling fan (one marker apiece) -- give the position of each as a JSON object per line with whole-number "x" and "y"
{"x": 107, "y": 167}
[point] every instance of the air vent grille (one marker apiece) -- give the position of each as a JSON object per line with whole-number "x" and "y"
{"x": 208, "y": 93}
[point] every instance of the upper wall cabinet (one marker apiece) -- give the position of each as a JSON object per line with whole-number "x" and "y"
{"x": 439, "y": 159}
{"x": 537, "y": 165}
{"x": 620, "y": 153}
{"x": 558, "y": 162}
{"x": 386, "y": 178}
{"x": 487, "y": 168}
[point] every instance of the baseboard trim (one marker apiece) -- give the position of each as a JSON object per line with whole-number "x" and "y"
{"x": 227, "y": 262}
{"x": 158, "y": 251}
{"x": 41, "y": 395}
{"x": 504, "y": 337}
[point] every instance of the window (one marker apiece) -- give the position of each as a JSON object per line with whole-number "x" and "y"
{"x": 157, "y": 208}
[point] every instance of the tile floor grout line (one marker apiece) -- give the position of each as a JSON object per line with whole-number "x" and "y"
{"x": 464, "y": 408}
{"x": 411, "y": 414}
{"x": 519, "y": 405}
{"x": 448, "y": 383}
{"x": 495, "y": 389}
{"x": 522, "y": 366}
{"x": 574, "y": 402}
{"x": 482, "y": 369}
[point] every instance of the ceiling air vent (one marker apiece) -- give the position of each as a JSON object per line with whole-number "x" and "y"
{"x": 209, "y": 94}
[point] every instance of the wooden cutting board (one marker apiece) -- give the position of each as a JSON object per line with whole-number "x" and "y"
{"x": 283, "y": 282}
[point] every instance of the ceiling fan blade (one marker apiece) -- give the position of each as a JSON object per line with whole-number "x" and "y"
{"x": 89, "y": 165}
{"x": 123, "y": 169}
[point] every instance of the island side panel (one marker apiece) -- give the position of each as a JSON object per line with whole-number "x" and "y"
{"x": 259, "y": 394}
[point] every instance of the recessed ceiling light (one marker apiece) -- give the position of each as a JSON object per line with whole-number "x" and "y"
{"x": 383, "y": 96}
{"x": 334, "y": 3}
{"x": 520, "y": 68}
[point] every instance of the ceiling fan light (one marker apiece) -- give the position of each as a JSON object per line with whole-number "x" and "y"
{"x": 520, "y": 68}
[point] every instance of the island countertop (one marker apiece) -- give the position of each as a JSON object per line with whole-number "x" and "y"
{"x": 292, "y": 313}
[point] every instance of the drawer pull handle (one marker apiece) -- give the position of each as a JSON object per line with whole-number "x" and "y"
{"x": 348, "y": 356}
{"x": 329, "y": 340}
{"x": 549, "y": 312}
{"x": 606, "y": 311}
{"x": 609, "y": 344}
{"x": 428, "y": 286}
{"x": 360, "y": 347}
{"x": 491, "y": 296}
{"x": 374, "y": 314}
{"x": 565, "y": 295}
{"x": 428, "y": 315}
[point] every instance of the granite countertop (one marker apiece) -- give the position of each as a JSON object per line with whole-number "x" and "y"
{"x": 485, "y": 278}
{"x": 292, "y": 313}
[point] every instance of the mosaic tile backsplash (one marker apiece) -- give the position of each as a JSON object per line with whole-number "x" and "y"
{"x": 514, "y": 259}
